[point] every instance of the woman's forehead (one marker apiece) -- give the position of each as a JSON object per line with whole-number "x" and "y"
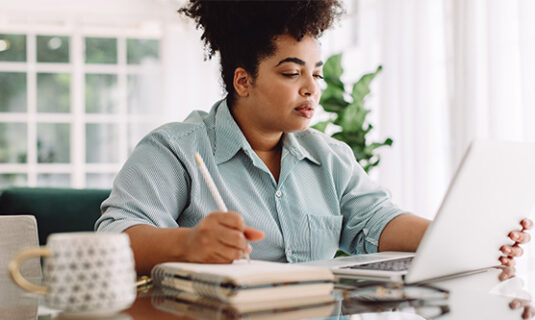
{"x": 289, "y": 50}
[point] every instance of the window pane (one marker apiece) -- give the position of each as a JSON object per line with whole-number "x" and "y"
{"x": 12, "y": 92}
{"x": 53, "y": 49}
{"x": 12, "y": 47}
{"x": 13, "y": 180}
{"x": 101, "y": 50}
{"x": 136, "y": 131}
{"x": 53, "y": 92}
{"x": 101, "y": 93}
{"x": 140, "y": 51}
{"x": 144, "y": 93}
{"x": 13, "y": 143}
{"x": 53, "y": 143}
{"x": 102, "y": 143}
{"x": 99, "y": 180}
{"x": 57, "y": 180}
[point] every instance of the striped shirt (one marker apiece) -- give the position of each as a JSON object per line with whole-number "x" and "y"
{"x": 323, "y": 200}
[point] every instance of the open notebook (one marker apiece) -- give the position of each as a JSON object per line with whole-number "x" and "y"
{"x": 242, "y": 282}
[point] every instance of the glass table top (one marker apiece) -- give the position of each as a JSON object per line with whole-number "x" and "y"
{"x": 478, "y": 296}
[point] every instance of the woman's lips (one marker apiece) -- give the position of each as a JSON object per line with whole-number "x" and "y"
{"x": 305, "y": 111}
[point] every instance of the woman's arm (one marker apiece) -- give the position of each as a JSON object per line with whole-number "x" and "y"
{"x": 152, "y": 245}
{"x": 403, "y": 233}
{"x": 221, "y": 237}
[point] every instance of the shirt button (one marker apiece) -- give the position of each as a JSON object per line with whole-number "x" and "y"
{"x": 278, "y": 194}
{"x": 288, "y": 252}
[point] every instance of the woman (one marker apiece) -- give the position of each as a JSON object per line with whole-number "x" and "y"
{"x": 300, "y": 192}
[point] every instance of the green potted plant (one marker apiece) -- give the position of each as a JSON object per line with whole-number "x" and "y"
{"x": 348, "y": 113}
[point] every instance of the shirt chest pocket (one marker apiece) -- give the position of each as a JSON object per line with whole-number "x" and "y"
{"x": 324, "y": 235}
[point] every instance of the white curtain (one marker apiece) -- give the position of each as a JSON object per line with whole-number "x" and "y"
{"x": 493, "y": 71}
{"x": 409, "y": 100}
{"x": 454, "y": 71}
{"x": 492, "y": 83}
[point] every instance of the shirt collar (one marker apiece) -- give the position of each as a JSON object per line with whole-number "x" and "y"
{"x": 291, "y": 143}
{"x": 229, "y": 138}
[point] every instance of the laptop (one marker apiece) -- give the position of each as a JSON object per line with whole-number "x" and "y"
{"x": 491, "y": 192}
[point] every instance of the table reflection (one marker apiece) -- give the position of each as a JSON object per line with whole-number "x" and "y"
{"x": 479, "y": 296}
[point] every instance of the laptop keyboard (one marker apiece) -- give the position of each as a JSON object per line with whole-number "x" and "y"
{"x": 390, "y": 265}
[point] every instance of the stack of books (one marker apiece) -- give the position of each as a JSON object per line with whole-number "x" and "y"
{"x": 253, "y": 290}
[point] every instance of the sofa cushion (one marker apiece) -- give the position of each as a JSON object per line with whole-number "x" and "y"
{"x": 55, "y": 209}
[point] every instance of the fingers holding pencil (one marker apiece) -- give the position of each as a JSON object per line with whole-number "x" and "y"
{"x": 252, "y": 234}
{"x": 220, "y": 237}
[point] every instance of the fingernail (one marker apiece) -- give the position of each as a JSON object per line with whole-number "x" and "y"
{"x": 514, "y": 236}
{"x": 507, "y": 250}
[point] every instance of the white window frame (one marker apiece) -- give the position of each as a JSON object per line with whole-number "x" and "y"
{"x": 77, "y": 118}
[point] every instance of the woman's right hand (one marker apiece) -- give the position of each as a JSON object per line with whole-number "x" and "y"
{"x": 220, "y": 237}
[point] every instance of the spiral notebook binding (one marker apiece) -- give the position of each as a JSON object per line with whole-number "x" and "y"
{"x": 158, "y": 275}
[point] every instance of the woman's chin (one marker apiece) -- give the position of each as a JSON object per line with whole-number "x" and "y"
{"x": 299, "y": 127}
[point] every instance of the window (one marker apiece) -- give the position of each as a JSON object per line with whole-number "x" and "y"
{"x": 74, "y": 104}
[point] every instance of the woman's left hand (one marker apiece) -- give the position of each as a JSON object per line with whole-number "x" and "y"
{"x": 528, "y": 310}
{"x": 512, "y": 251}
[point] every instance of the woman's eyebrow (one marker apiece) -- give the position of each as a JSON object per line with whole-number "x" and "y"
{"x": 297, "y": 61}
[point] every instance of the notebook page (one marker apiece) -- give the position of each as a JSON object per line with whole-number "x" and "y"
{"x": 256, "y": 271}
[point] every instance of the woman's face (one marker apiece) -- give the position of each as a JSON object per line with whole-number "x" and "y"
{"x": 286, "y": 91}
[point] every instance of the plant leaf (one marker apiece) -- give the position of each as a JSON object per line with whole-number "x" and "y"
{"x": 332, "y": 100}
{"x": 353, "y": 117}
{"x": 332, "y": 69}
{"x": 321, "y": 126}
{"x": 334, "y": 83}
{"x": 354, "y": 139}
{"x": 362, "y": 88}
{"x": 349, "y": 117}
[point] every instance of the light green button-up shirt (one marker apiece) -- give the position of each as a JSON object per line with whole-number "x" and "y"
{"x": 323, "y": 199}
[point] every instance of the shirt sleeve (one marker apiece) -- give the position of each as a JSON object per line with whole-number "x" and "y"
{"x": 366, "y": 207}
{"x": 152, "y": 188}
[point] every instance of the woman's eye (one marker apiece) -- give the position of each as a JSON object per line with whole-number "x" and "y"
{"x": 293, "y": 75}
{"x": 290, "y": 75}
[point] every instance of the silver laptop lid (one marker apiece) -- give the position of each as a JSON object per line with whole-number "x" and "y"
{"x": 493, "y": 189}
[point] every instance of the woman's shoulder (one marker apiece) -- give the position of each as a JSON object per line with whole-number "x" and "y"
{"x": 193, "y": 125}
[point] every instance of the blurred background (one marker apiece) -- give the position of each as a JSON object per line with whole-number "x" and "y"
{"x": 82, "y": 81}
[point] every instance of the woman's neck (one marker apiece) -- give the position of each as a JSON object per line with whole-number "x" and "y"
{"x": 261, "y": 140}
{"x": 267, "y": 144}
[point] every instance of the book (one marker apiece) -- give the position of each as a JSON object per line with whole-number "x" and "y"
{"x": 242, "y": 282}
{"x": 192, "y": 305}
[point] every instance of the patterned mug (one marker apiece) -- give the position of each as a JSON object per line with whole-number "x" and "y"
{"x": 84, "y": 272}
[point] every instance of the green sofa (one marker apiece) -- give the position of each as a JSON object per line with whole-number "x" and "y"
{"x": 55, "y": 209}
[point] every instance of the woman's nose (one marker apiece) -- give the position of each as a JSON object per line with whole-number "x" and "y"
{"x": 309, "y": 88}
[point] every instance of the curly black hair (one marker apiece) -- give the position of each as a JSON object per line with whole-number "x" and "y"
{"x": 243, "y": 31}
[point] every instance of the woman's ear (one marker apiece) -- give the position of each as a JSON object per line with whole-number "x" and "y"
{"x": 242, "y": 83}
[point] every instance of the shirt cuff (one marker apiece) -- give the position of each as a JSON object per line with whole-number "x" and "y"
{"x": 372, "y": 235}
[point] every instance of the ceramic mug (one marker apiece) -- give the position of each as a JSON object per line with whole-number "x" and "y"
{"x": 84, "y": 272}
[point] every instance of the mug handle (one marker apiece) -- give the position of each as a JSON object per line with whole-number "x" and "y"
{"x": 14, "y": 268}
